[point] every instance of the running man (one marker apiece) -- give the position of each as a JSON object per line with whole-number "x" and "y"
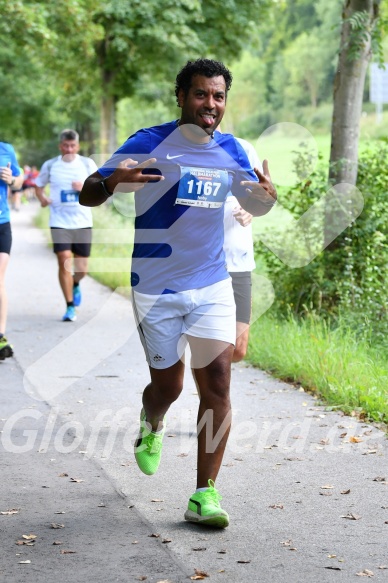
{"x": 70, "y": 223}
{"x": 181, "y": 290}
{"x": 10, "y": 176}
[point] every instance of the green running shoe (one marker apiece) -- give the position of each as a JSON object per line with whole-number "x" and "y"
{"x": 5, "y": 348}
{"x": 204, "y": 508}
{"x": 148, "y": 447}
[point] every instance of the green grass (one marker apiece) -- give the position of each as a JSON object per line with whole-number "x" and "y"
{"x": 347, "y": 373}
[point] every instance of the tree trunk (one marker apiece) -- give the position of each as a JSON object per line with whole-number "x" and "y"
{"x": 348, "y": 91}
{"x": 108, "y": 139}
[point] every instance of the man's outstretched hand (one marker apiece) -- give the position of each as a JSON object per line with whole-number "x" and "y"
{"x": 263, "y": 191}
{"x": 128, "y": 176}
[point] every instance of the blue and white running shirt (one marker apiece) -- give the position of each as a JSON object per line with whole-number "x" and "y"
{"x": 7, "y": 155}
{"x": 179, "y": 229}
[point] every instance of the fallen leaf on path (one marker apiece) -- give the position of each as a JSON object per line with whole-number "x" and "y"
{"x": 222, "y": 552}
{"x": 370, "y": 451}
{"x": 199, "y": 549}
{"x": 76, "y": 480}
{"x": 57, "y": 542}
{"x": 325, "y": 493}
{"x": 324, "y": 441}
{"x": 280, "y": 506}
{"x": 332, "y": 556}
{"x": 25, "y": 542}
{"x": 365, "y": 573}
{"x": 327, "y": 487}
{"x": 24, "y": 562}
{"x": 286, "y": 543}
{"x": 29, "y": 536}
{"x": 11, "y": 511}
{"x": 243, "y": 562}
{"x": 354, "y": 439}
{"x": 142, "y": 578}
{"x": 154, "y": 535}
{"x": 345, "y": 491}
{"x": 383, "y": 567}
{"x": 67, "y": 552}
{"x": 166, "y": 540}
{"x": 379, "y": 479}
{"x": 63, "y": 475}
{"x": 157, "y": 500}
{"x": 199, "y": 575}
{"x": 343, "y": 435}
{"x": 351, "y": 516}
{"x": 60, "y": 512}
{"x": 55, "y": 525}
{"x": 333, "y": 568}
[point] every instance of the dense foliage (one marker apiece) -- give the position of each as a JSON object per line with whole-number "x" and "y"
{"x": 349, "y": 278}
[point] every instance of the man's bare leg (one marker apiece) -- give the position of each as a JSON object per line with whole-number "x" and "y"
{"x": 80, "y": 268}
{"x": 4, "y": 260}
{"x": 65, "y": 274}
{"x": 165, "y": 387}
{"x": 214, "y": 413}
{"x": 242, "y": 337}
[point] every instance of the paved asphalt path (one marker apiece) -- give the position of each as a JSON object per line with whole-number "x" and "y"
{"x": 306, "y": 489}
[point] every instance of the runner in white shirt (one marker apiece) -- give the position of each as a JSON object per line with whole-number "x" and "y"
{"x": 70, "y": 223}
{"x": 240, "y": 260}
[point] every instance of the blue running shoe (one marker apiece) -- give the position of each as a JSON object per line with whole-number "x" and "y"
{"x": 77, "y": 295}
{"x": 70, "y": 315}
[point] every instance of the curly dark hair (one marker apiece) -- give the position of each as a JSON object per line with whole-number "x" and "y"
{"x": 207, "y": 68}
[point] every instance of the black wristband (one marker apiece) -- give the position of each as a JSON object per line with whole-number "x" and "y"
{"x": 104, "y": 188}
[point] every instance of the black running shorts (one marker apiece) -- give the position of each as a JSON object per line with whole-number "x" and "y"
{"x": 242, "y": 289}
{"x": 5, "y": 238}
{"x": 78, "y": 241}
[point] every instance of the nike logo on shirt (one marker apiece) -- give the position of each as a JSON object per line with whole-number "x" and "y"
{"x": 171, "y": 157}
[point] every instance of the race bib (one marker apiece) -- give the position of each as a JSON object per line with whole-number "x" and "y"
{"x": 69, "y": 196}
{"x": 202, "y": 187}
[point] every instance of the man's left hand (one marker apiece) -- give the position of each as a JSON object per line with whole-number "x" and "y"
{"x": 6, "y": 174}
{"x": 77, "y": 185}
{"x": 264, "y": 191}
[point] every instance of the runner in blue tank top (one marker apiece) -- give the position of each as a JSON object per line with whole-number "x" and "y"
{"x": 10, "y": 176}
{"x": 181, "y": 290}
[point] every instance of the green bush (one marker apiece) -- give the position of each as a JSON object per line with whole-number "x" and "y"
{"x": 349, "y": 278}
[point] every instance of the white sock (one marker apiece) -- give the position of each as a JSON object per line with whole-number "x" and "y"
{"x": 202, "y": 489}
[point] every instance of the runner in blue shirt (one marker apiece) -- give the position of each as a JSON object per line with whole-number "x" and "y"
{"x": 181, "y": 290}
{"x": 10, "y": 175}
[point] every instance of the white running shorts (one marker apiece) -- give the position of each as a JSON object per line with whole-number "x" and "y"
{"x": 164, "y": 321}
